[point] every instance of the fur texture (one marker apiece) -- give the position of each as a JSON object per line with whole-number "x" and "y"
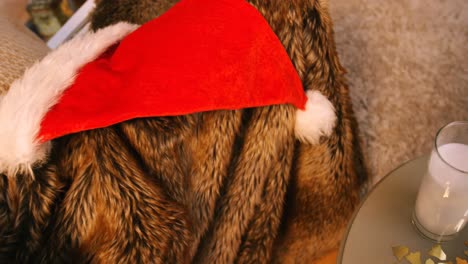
{"x": 214, "y": 187}
{"x": 20, "y": 119}
{"x": 135, "y": 12}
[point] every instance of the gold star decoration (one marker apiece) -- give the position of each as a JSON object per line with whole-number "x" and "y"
{"x": 429, "y": 261}
{"x": 438, "y": 252}
{"x": 400, "y": 252}
{"x": 414, "y": 258}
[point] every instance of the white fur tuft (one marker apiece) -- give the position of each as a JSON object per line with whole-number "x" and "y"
{"x": 317, "y": 120}
{"x": 24, "y": 106}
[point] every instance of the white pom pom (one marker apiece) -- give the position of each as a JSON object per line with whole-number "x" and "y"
{"x": 318, "y": 119}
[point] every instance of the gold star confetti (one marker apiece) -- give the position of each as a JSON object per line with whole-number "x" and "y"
{"x": 461, "y": 261}
{"x": 429, "y": 261}
{"x": 414, "y": 258}
{"x": 437, "y": 252}
{"x": 400, "y": 252}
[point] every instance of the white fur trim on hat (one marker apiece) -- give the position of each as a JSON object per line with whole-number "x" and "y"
{"x": 318, "y": 119}
{"x": 29, "y": 98}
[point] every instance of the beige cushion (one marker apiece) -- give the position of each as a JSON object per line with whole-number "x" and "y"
{"x": 19, "y": 49}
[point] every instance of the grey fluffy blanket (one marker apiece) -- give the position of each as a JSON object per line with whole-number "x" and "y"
{"x": 407, "y": 65}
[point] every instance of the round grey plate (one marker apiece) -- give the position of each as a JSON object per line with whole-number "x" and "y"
{"x": 384, "y": 221}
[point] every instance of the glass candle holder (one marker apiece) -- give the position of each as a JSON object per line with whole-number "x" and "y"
{"x": 441, "y": 209}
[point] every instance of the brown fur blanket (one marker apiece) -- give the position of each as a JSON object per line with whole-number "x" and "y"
{"x": 212, "y": 187}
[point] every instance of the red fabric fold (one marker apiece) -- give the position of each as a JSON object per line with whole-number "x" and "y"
{"x": 201, "y": 55}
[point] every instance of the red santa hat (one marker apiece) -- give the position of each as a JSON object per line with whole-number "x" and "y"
{"x": 201, "y": 55}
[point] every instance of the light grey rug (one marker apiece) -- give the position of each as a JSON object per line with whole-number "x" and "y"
{"x": 407, "y": 63}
